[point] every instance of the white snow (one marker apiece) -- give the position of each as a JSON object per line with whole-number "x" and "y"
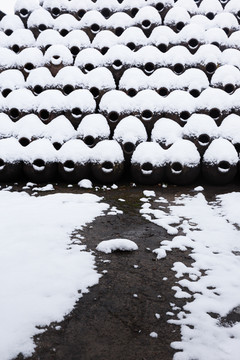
{"x": 40, "y": 278}
{"x": 85, "y": 184}
{"x": 108, "y": 246}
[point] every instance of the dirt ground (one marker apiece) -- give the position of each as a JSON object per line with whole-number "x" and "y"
{"x": 113, "y": 321}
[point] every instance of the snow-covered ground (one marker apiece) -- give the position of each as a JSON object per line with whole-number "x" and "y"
{"x": 211, "y": 285}
{"x": 45, "y": 268}
{"x": 41, "y": 269}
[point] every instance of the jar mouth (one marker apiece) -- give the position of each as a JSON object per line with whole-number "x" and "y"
{"x": 56, "y": 60}
{"x": 24, "y": 141}
{"x": 76, "y": 113}
{"x": 39, "y": 164}
{"x": 69, "y": 166}
{"x": 176, "y": 167}
{"x": 107, "y": 167}
{"x": 14, "y": 114}
{"x": 89, "y": 140}
{"x": 147, "y": 115}
{"x": 129, "y": 147}
{"x": 224, "y": 166}
{"x": 204, "y": 139}
{"x": 24, "y": 13}
{"x": 147, "y": 168}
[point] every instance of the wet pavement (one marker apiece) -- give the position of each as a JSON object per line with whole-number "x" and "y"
{"x": 114, "y": 320}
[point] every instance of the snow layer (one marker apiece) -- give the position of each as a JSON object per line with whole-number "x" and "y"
{"x": 41, "y": 274}
{"x": 221, "y": 150}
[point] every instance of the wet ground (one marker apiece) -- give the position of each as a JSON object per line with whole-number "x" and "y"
{"x": 114, "y": 320}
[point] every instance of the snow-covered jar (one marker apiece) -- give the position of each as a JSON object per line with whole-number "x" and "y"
{"x": 179, "y": 105}
{"x": 75, "y": 41}
{"x": 19, "y": 103}
{"x": 68, "y": 79}
{"x": 217, "y": 37}
{"x": 59, "y": 131}
{"x": 148, "y": 59}
{"x": 201, "y": 130}
{"x": 134, "y": 80}
{"x": 29, "y": 59}
{"x": 220, "y": 162}
{"x": 162, "y": 6}
{"x": 129, "y": 132}
{"x": 20, "y": 39}
{"x": 98, "y": 81}
{"x": 89, "y": 59}
{"x": 163, "y": 37}
{"x": 216, "y": 103}
{"x": 208, "y": 58}
{"x": 115, "y": 105}
{"x": 10, "y": 80}
{"x": 190, "y": 5}
{"x": 56, "y": 57}
{"x": 10, "y": 159}
{"x": 92, "y": 22}
{"x": 92, "y": 129}
{"x": 10, "y": 23}
{"x": 210, "y": 8}
{"x": 176, "y": 18}
{"x": 48, "y": 38}
{"x": 49, "y": 105}
{"x": 6, "y": 126}
{"x": 148, "y": 163}
{"x": 39, "y": 80}
{"x": 65, "y": 23}
{"x": 55, "y": 7}
{"x": 117, "y": 60}
{"x": 8, "y": 59}
{"x": 226, "y": 77}
{"x": 183, "y": 163}
{"x": 134, "y": 38}
{"x": 119, "y": 22}
{"x": 24, "y": 8}
{"x": 79, "y": 103}
{"x": 148, "y": 105}
{"x": 191, "y": 36}
{"x": 39, "y": 21}
{"x": 230, "y": 130}
{"x": 74, "y": 161}
{"x": 28, "y": 129}
{"x": 166, "y": 132}
{"x": 147, "y": 19}
{"x": 104, "y": 40}
{"x": 194, "y": 81}
{"x": 107, "y": 161}
{"x": 79, "y": 9}
{"x": 178, "y": 59}
{"x": 40, "y": 161}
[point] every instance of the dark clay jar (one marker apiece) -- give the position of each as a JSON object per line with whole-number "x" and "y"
{"x": 40, "y": 171}
{"x": 179, "y": 174}
{"x": 147, "y": 173}
{"x": 219, "y": 174}
{"x": 10, "y": 171}
{"x": 107, "y": 171}
{"x": 72, "y": 172}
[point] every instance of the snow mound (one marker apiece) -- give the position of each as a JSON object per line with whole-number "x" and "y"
{"x": 108, "y": 246}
